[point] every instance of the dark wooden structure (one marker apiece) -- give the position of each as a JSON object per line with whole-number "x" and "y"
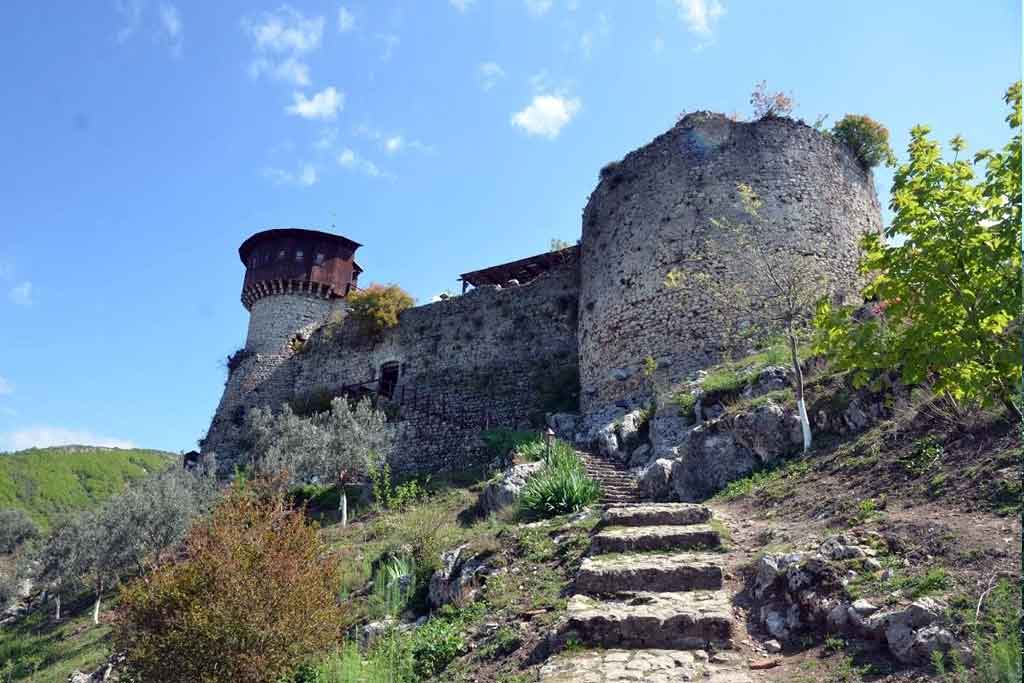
{"x": 284, "y": 260}
{"x": 522, "y": 270}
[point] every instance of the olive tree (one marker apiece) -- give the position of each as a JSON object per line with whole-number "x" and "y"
{"x": 16, "y": 527}
{"x": 773, "y": 290}
{"x": 336, "y": 446}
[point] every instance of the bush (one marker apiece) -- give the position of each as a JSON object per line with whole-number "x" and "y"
{"x": 434, "y": 645}
{"x": 254, "y": 598}
{"x": 500, "y": 442}
{"x": 866, "y": 138}
{"x": 997, "y": 639}
{"x": 377, "y": 307}
{"x": 767, "y": 105}
{"x": 560, "y": 487}
{"x": 16, "y": 527}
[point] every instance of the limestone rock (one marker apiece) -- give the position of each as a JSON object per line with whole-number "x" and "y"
{"x": 669, "y": 430}
{"x": 764, "y": 431}
{"x": 712, "y": 459}
{"x": 654, "y": 482}
{"x": 504, "y": 491}
{"x": 640, "y": 455}
{"x": 563, "y": 425}
{"x": 458, "y": 578}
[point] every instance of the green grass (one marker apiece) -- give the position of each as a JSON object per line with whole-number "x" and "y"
{"x": 50, "y": 482}
{"x": 772, "y": 481}
{"x": 37, "y": 649}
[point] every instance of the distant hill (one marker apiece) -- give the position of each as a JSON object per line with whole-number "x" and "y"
{"x": 49, "y": 482}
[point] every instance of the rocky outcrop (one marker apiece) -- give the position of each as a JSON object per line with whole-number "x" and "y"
{"x": 504, "y": 490}
{"x": 804, "y": 592}
{"x": 459, "y": 577}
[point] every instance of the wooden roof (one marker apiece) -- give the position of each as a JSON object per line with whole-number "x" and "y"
{"x": 522, "y": 270}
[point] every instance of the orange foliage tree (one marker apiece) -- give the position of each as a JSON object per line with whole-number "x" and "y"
{"x": 377, "y": 307}
{"x": 254, "y": 596}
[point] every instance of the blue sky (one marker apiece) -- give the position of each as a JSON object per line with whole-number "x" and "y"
{"x": 144, "y": 140}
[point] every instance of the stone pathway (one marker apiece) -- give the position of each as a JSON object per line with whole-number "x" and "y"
{"x": 649, "y": 604}
{"x": 618, "y": 484}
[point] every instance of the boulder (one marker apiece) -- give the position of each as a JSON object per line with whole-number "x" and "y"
{"x": 504, "y": 490}
{"x": 711, "y": 459}
{"x": 628, "y": 430}
{"x": 640, "y": 455}
{"x": 764, "y": 431}
{"x": 836, "y": 548}
{"x": 669, "y": 430}
{"x": 458, "y": 579}
{"x": 654, "y": 481}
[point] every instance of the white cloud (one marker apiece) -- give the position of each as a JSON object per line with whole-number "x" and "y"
{"x": 322, "y": 105}
{"x": 538, "y": 8}
{"x": 131, "y": 16}
{"x": 280, "y": 39}
{"x": 346, "y": 20}
{"x": 304, "y": 177}
{"x": 290, "y": 70}
{"x": 5, "y": 386}
{"x": 21, "y": 294}
{"x": 170, "y": 21}
{"x": 348, "y": 159}
{"x": 43, "y": 436}
{"x": 489, "y": 74}
{"x": 286, "y": 31}
{"x": 546, "y": 115}
{"x": 393, "y": 144}
{"x": 700, "y": 16}
{"x": 461, "y": 5}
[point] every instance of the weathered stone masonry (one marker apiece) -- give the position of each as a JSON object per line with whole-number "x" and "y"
{"x": 502, "y": 356}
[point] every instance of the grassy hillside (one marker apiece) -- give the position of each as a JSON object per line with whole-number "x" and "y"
{"x": 49, "y": 482}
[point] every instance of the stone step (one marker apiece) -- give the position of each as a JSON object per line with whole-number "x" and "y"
{"x": 674, "y": 621}
{"x": 648, "y": 666}
{"x": 657, "y": 514}
{"x": 629, "y": 539}
{"x": 667, "y": 572}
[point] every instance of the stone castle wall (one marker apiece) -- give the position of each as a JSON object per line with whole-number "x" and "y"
{"x": 276, "y": 320}
{"x": 654, "y": 209}
{"x": 492, "y": 357}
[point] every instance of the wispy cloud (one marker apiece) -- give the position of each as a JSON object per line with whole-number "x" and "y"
{"x": 281, "y": 39}
{"x": 701, "y": 17}
{"x": 130, "y": 12}
{"x": 461, "y": 5}
{"x": 350, "y": 160}
{"x": 326, "y": 140}
{"x": 44, "y": 436}
{"x": 322, "y": 105}
{"x": 589, "y": 37}
{"x": 538, "y": 8}
{"x": 172, "y": 27}
{"x": 21, "y": 294}
{"x": 6, "y": 387}
{"x": 658, "y": 44}
{"x": 304, "y": 177}
{"x": 391, "y": 142}
{"x": 390, "y": 41}
{"x": 547, "y": 115}
{"x": 346, "y": 20}
{"x": 489, "y": 74}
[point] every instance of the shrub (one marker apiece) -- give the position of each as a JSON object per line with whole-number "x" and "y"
{"x": 560, "y": 487}
{"x": 254, "y": 597}
{"x": 434, "y": 645}
{"x": 866, "y": 138}
{"x": 499, "y": 443}
{"x": 377, "y": 307}
{"x": 394, "y": 584}
{"x": 767, "y": 105}
{"x": 997, "y": 639}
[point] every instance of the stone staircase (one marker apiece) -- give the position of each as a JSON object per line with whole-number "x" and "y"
{"x": 618, "y": 484}
{"x": 649, "y": 603}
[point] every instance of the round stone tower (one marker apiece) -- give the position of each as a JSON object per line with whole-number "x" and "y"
{"x": 654, "y": 209}
{"x": 293, "y": 278}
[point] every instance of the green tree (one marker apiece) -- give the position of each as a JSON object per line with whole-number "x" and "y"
{"x": 377, "y": 307}
{"x": 947, "y": 280}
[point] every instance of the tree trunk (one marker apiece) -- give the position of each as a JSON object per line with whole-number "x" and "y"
{"x": 1011, "y": 406}
{"x": 57, "y": 600}
{"x": 343, "y": 506}
{"x": 805, "y": 423}
{"x": 96, "y": 608}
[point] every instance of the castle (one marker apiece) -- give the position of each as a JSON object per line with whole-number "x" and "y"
{"x": 565, "y": 331}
